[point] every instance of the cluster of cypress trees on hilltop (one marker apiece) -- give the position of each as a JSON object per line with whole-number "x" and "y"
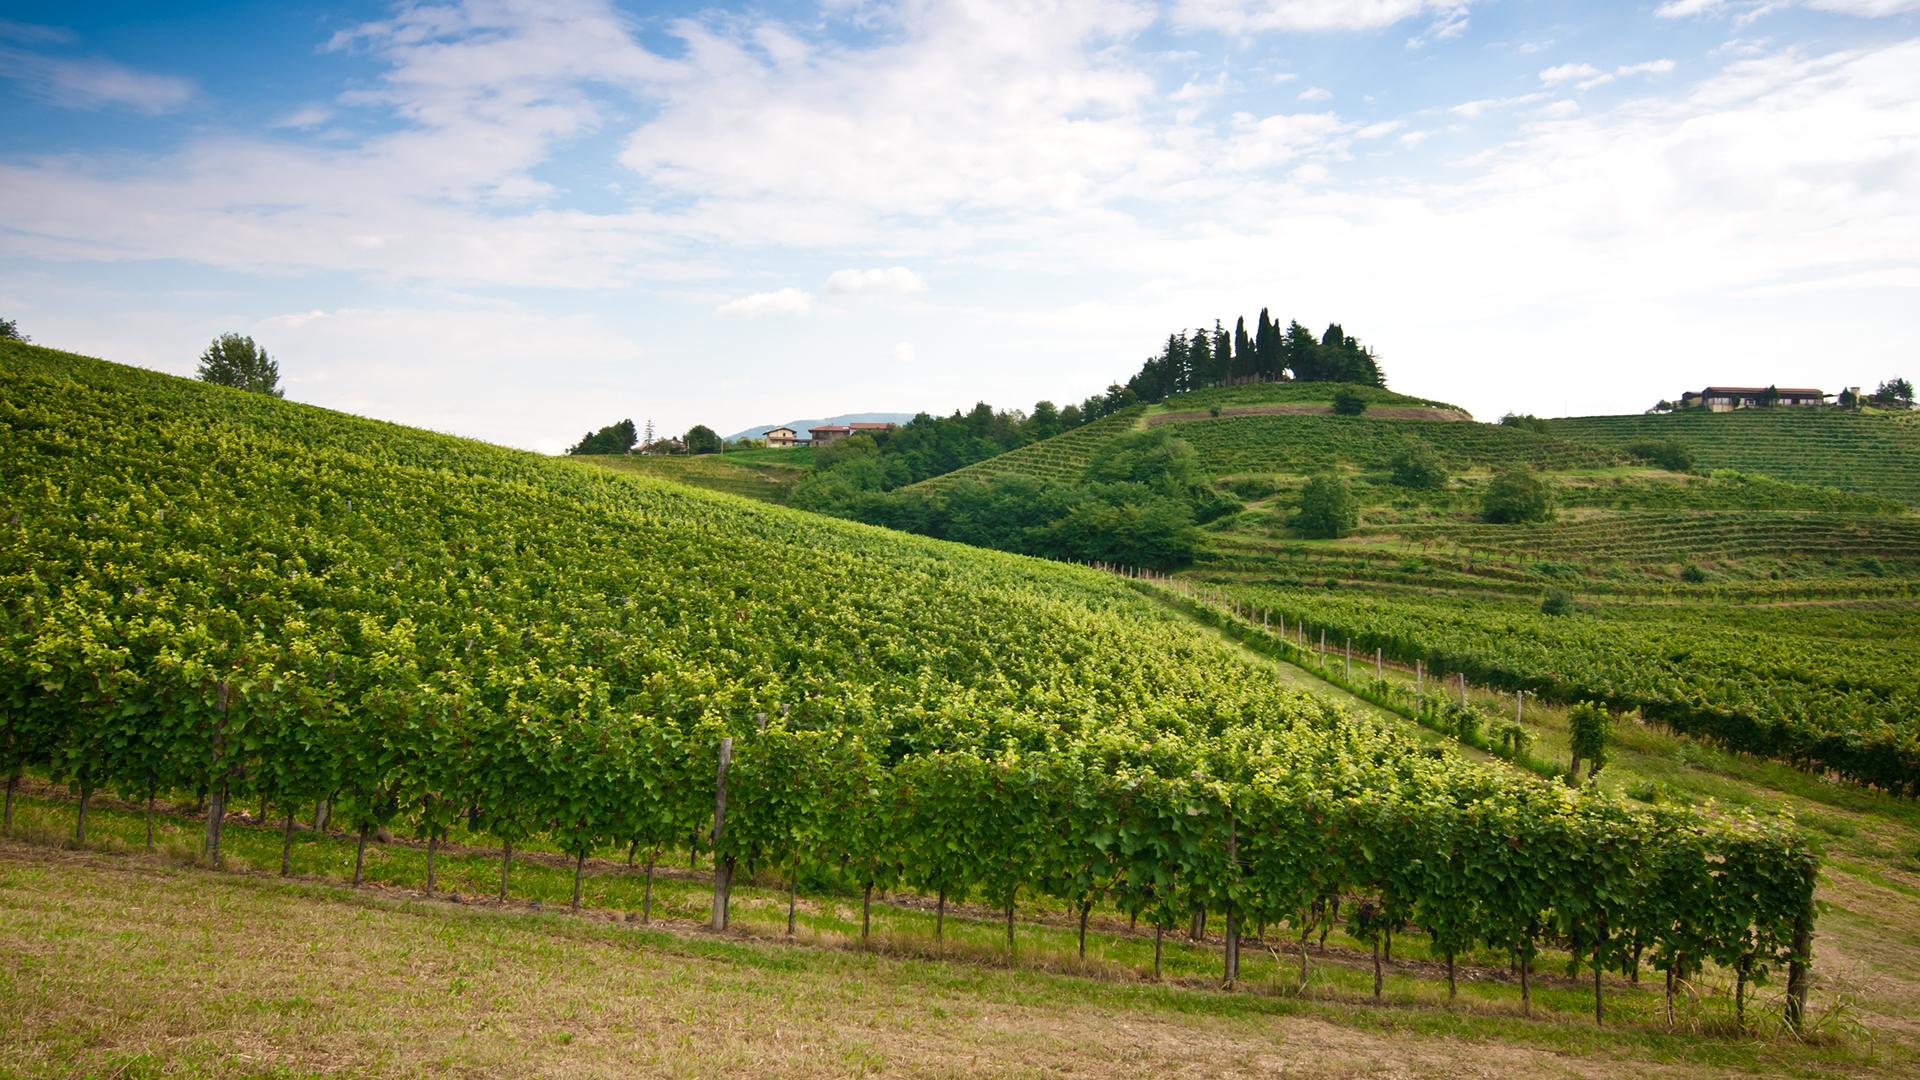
{"x": 1197, "y": 359}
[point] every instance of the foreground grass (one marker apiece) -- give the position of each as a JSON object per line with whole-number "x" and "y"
{"x": 133, "y": 964}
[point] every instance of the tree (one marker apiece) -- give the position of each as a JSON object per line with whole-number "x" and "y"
{"x": 701, "y": 439}
{"x": 1896, "y": 393}
{"x": 1243, "y": 359}
{"x": 10, "y": 331}
{"x": 1266, "y": 347}
{"x": 1348, "y": 403}
{"x": 1516, "y": 494}
{"x": 612, "y": 439}
{"x": 234, "y": 360}
{"x": 1301, "y": 354}
{"x": 1222, "y": 355}
{"x": 1770, "y": 397}
{"x": 1328, "y": 509}
{"x": 1417, "y": 467}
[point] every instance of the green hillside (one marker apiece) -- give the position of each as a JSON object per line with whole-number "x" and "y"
{"x": 216, "y": 592}
{"x": 1877, "y": 453}
{"x": 1064, "y": 458}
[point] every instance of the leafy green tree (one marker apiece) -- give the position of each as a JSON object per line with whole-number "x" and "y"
{"x": 1418, "y": 467}
{"x": 234, "y": 360}
{"x": 701, "y": 439}
{"x": 1524, "y": 421}
{"x": 1516, "y": 494}
{"x": 10, "y": 331}
{"x": 1266, "y": 347}
{"x": 613, "y": 439}
{"x": 1348, "y": 403}
{"x": 1328, "y": 509}
{"x": 1894, "y": 393}
{"x": 1300, "y": 354}
{"x": 1770, "y": 397}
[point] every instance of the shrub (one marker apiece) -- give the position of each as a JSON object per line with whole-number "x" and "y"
{"x": 1516, "y": 494}
{"x": 1557, "y": 602}
{"x": 1348, "y": 403}
{"x": 1693, "y": 575}
{"x": 1417, "y": 467}
{"x": 1670, "y": 454}
{"x": 1328, "y": 509}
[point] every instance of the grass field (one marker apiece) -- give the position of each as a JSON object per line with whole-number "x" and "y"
{"x": 135, "y": 964}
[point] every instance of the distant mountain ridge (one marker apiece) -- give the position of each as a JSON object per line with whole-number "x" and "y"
{"x": 804, "y": 427}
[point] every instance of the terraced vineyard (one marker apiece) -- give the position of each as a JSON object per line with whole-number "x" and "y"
{"x": 1062, "y": 459}
{"x": 1873, "y": 453}
{"x": 1303, "y": 444}
{"x": 1865, "y": 544}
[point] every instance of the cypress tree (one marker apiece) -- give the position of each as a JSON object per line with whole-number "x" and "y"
{"x": 1222, "y": 372}
{"x": 1242, "y": 349}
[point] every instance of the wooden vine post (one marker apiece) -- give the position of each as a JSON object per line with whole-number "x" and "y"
{"x": 1463, "y": 689}
{"x": 217, "y": 784}
{"x": 722, "y": 867}
{"x": 1797, "y": 971}
{"x": 1233, "y": 916}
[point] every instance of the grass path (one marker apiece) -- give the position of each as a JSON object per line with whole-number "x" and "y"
{"x": 125, "y": 964}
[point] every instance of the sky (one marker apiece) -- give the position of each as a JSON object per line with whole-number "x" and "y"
{"x": 520, "y": 220}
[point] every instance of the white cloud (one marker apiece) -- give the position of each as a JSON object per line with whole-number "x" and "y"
{"x": 892, "y": 281}
{"x": 1748, "y": 10}
{"x": 1379, "y": 130}
{"x": 903, "y": 352}
{"x": 1650, "y": 67}
{"x": 778, "y": 302}
{"x": 93, "y": 83}
{"x": 1553, "y": 76}
{"x": 1242, "y": 16}
{"x": 306, "y": 116}
{"x": 1315, "y": 93}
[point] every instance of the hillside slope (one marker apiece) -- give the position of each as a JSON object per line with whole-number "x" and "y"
{"x": 1874, "y": 453}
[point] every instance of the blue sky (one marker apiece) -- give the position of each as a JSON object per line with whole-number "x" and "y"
{"x": 519, "y": 220}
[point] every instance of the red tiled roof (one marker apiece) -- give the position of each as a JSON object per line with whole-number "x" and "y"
{"x": 870, "y": 427}
{"x": 831, "y": 427}
{"x": 1784, "y": 391}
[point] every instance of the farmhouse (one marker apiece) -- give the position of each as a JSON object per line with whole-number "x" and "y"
{"x": 832, "y": 433}
{"x": 784, "y": 438}
{"x": 1729, "y": 398}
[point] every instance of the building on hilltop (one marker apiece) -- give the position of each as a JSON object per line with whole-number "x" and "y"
{"x": 783, "y": 438}
{"x": 1729, "y": 398}
{"x": 833, "y": 433}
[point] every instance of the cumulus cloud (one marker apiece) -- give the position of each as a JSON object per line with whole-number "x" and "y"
{"x": 1315, "y": 93}
{"x": 892, "y": 281}
{"x": 779, "y": 302}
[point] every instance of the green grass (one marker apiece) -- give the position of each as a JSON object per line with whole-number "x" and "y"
{"x": 124, "y": 961}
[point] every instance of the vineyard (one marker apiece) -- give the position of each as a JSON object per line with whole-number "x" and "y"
{"x": 241, "y": 599}
{"x": 749, "y": 474}
{"x": 1062, "y": 458}
{"x": 1869, "y": 453}
{"x": 1305, "y": 444}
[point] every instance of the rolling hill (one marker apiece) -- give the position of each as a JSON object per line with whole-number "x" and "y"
{"x": 213, "y": 593}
